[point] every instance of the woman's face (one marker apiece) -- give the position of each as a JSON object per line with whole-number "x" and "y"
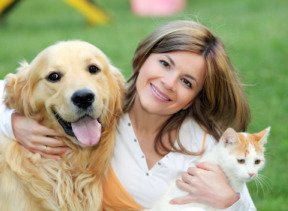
{"x": 168, "y": 82}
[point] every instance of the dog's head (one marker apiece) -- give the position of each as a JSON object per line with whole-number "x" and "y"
{"x": 73, "y": 85}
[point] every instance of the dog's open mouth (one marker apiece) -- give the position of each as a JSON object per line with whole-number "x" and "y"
{"x": 86, "y": 129}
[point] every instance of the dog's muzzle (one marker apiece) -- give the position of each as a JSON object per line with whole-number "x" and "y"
{"x": 86, "y": 130}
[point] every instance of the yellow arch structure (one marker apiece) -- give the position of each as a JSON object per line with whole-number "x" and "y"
{"x": 93, "y": 14}
{"x": 4, "y": 4}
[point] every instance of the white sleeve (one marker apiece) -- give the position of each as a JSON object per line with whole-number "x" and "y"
{"x": 5, "y": 115}
{"x": 245, "y": 202}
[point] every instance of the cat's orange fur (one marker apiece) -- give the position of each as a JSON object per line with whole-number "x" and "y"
{"x": 254, "y": 139}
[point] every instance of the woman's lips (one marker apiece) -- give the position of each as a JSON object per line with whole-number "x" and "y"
{"x": 160, "y": 95}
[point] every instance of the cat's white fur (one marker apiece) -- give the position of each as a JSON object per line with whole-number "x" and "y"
{"x": 224, "y": 155}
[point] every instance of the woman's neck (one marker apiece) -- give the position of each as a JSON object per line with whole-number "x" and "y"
{"x": 146, "y": 127}
{"x": 145, "y": 122}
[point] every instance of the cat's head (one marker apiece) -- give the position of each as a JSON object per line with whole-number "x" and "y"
{"x": 244, "y": 153}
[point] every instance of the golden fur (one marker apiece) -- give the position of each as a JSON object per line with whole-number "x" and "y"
{"x": 31, "y": 182}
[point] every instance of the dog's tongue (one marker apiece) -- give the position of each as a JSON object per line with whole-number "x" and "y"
{"x": 87, "y": 131}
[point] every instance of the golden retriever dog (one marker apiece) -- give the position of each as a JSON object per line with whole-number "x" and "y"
{"x": 79, "y": 93}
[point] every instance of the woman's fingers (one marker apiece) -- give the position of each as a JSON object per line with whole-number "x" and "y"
{"x": 38, "y": 138}
{"x": 49, "y": 141}
{"x": 50, "y": 152}
{"x": 197, "y": 183}
{"x": 189, "y": 197}
{"x": 29, "y": 130}
{"x": 54, "y": 157}
{"x": 182, "y": 200}
{"x": 45, "y": 149}
{"x": 208, "y": 167}
{"x": 45, "y": 131}
{"x": 47, "y": 146}
{"x": 185, "y": 186}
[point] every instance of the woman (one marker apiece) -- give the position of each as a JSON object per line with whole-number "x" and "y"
{"x": 182, "y": 95}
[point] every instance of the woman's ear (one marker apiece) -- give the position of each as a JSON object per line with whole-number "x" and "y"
{"x": 18, "y": 90}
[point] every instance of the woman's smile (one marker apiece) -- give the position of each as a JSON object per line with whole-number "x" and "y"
{"x": 158, "y": 94}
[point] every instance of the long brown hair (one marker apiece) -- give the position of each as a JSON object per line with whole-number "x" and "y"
{"x": 220, "y": 104}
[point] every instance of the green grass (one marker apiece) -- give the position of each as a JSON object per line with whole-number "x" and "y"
{"x": 254, "y": 31}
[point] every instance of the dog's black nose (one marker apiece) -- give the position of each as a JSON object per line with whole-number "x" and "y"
{"x": 83, "y": 98}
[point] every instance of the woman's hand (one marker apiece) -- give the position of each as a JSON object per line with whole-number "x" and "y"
{"x": 206, "y": 184}
{"x": 36, "y": 137}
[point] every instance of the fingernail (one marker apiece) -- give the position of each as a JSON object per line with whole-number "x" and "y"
{"x": 57, "y": 158}
{"x": 172, "y": 202}
{"x": 67, "y": 151}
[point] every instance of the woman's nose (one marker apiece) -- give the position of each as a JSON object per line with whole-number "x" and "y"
{"x": 169, "y": 80}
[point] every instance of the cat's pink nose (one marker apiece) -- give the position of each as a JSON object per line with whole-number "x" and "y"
{"x": 251, "y": 174}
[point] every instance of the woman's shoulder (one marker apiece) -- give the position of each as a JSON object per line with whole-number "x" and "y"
{"x": 194, "y": 137}
{"x": 2, "y": 83}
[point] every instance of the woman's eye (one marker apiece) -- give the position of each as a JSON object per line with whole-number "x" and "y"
{"x": 186, "y": 82}
{"x": 241, "y": 161}
{"x": 54, "y": 77}
{"x": 164, "y": 63}
{"x": 93, "y": 69}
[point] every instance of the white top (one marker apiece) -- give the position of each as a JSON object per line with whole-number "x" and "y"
{"x": 5, "y": 115}
{"x": 129, "y": 163}
{"x": 147, "y": 186}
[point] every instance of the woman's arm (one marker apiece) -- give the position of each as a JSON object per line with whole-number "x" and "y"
{"x": 207, "y": 184}
{"x": 28, "y": 132}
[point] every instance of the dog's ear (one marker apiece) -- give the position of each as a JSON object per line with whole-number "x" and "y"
{"x": 119, "y": 77}
{"x": 118, "y": 91}
{"x": 18, "y": 90}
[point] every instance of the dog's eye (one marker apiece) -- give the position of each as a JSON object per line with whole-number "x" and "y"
{"x": 93, "y": 69}
{"x": 54, "y": 77}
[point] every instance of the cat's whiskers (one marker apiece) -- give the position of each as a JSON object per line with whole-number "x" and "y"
{"x": 264, "y": 183}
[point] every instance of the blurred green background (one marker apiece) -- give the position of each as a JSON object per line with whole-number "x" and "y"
{"x": 255, "y": 33}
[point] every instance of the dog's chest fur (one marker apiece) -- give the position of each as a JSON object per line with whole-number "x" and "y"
{"x": 46, "y": 184}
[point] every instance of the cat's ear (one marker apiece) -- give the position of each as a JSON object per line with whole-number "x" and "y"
{"x": 229, "y": 137}
{"x": 263, "y": 135}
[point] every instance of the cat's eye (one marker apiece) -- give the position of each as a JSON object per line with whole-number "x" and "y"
{"x": 54, "y": 77}
{"x": 93, "y": 69}
{"x": 257, "y": 161}
{"x": 241, "y": 161}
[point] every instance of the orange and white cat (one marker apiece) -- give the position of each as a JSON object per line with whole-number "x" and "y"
{"x": 240, "y": 156}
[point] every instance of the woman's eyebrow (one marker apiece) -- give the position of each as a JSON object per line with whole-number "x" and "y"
{"x": 191, "y": 77}
{"x": 170, "y": 60}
